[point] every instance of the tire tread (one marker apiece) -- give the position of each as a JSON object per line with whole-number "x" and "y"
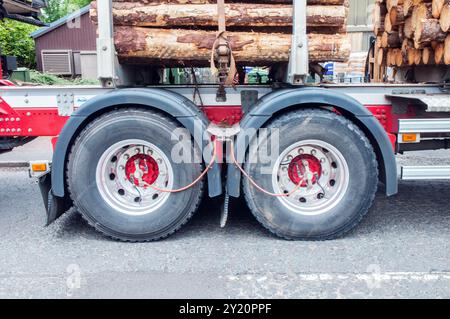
{"x": 338, "y": 233}
{"x": 97, "y": 226}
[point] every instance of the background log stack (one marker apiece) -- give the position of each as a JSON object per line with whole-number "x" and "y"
{"x": 178, "y": 33}
{"x": 411, "y": 33}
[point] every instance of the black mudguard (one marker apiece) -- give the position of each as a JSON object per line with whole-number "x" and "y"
{"x": 186, "y": 112}
{"x": 281, "y": 100}
{"x": 54, "y": 206}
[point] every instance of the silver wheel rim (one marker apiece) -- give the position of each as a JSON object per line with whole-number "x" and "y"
{"x": 116, "y": 188}
{"x": 323, "y": 192}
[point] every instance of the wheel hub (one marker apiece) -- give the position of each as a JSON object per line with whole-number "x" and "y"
{"x": 142, "y": 170}
{"x": 321, "y": 171}
{"x": 125, "y": 172}
{"x": 306, "y": 167}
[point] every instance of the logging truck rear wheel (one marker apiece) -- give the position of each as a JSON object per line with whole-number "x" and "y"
{"x": 327, "y": 168}
{"x": 120, "y": 173}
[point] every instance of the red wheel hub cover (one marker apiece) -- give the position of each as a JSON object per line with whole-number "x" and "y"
{"x": 297, "y": 169}
{"x": 142, "y": 170}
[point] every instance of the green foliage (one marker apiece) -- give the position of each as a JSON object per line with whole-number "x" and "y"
{"x": 59, "y": 8}
{"x": 50, "y": 79}
{"x": 15, "y": 40}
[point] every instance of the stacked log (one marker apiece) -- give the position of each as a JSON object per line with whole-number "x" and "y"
{"x": 176, "y": 33}
{"x": 412, "y": 32}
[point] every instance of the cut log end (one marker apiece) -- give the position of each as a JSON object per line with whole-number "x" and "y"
{"x": 445, "y": 18}
{"x": 447, "y": 50}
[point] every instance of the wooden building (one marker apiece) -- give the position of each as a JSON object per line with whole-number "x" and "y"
{"x": 67, "y": 46}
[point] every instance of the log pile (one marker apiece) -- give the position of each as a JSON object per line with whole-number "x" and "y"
{"x": 177, "y": 33}
{"x": 354, "y": 67}
{"x": 412, "y": 32}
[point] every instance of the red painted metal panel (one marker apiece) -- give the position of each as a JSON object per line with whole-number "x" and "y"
{"x": 383, "y": 113}
{"x": 227, "y": 115}
{"x": 47, "y": 122}
{"x": 6, "y": 110}
{"x": 32, "y": 122}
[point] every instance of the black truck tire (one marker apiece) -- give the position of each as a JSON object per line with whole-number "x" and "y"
{"x": 105, "y": 164}
{"x": 342, "y": 169}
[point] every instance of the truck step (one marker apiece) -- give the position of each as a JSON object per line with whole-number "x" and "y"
{"x": 408, "y": 173}
{"x": 424, "y": 126}
{"x": 433, "y": 102}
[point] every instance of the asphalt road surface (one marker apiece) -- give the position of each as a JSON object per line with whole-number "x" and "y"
{"x": 402, "y": 249}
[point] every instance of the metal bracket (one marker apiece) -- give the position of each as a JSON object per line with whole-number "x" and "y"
{"x": 106, "y": 55}
{"x": 65, "y": 103}
{"x": 248, "y": 99}
{"x": 223, "y": 52}
{"x": 425, "y": 173}
{"x": 433, "y": 102}
{"x": 299, "y": 58}
{"x": 223, "y": 133}
{"x": 221, "y": 94}
{"x": 34, "y": 174}
{"x": 446, "y": 87}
